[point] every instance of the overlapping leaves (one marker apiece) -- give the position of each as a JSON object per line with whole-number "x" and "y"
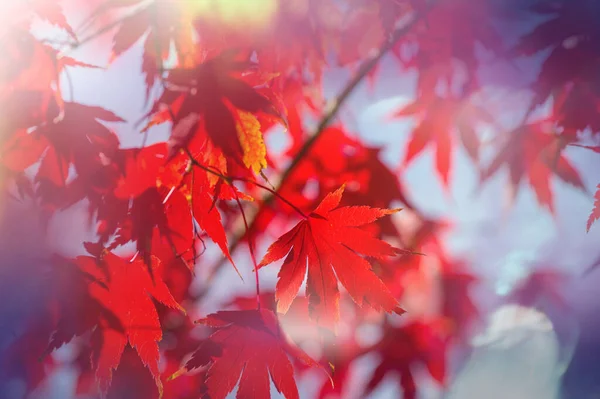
{"x": 125, "y": 290}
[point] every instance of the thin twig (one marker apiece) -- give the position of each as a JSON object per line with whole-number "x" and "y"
{"x": 102, "y": 31}
{"x": 199, "y": 165}
{"x": 251, "y": 249}
{"x": 230, "y": 179}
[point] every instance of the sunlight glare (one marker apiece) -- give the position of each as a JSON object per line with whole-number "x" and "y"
{"x": 247, "y": 14}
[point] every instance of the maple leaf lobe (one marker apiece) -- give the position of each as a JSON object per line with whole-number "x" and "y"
{"x": 595, "y": 214}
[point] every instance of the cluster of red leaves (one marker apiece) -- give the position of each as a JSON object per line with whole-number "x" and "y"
{"x": 237, "y": 79}
{"x": 568, "y": 79}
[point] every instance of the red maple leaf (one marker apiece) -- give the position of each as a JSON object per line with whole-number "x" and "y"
{"x": 80, "y": 310}
{"x": 22, "y": 150}
{"x": 380, "y": 188}
{"x": 449, "y": 31}
{"x": 249, "y": 343}
{"x": 146, "y": 198}
{"x": 572, "y": 40}
{"x": 127, "y": 291}
{"x": 23, "y": 360}
{"x": 575, "y": 108}
{"x": 147, "y": 171}
{"x": 437, "y": 118}
{"x": 362, "y": 33}
{"x": 568, "y": 74}
{"x": 457, "y": 305}
{"x": 296, "y": 322}
{"x": 35, "y": 68}
{"x": 595, "y": 215}
{"x": 340, "y": 355}
{"x": 162, "y": 210}
{"x": 206, "y": 191}
{"x": 532, "y": 151}
{"x": 140, "y": 170}
{"x": 165, "y": 22}
{"x": 452, "y": 280}
{"x": 401, "y": 348}
{"x": 299, "y": 38}
{"x": 202, "y": 198}
{"x": 47, "y": 10}
{"x": 52, "y": 11}
{"x": 78, "y": 139}
{"x": 132, "y": 372}
{"x": 542, "y": 285}
{"x": 178, "y": 327}
{"x": 327, "y": 166}
{"x": 297, "y": 101}
{"x": 24, "y": 109}
{"x": 331, "y": 239}
{"x": 192, "y": 112}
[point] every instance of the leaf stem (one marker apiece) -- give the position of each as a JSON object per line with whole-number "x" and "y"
{"x": 231, "y": 179}
{"x": 251, "y": 249}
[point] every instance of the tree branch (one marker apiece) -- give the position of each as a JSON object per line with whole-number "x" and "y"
{"x": 333, "y": 108}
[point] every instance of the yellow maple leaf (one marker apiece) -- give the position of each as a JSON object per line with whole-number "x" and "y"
{"x": 251, "y": 140}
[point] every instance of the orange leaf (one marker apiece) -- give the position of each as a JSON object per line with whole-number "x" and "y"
{"x": 253, "y": 145}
